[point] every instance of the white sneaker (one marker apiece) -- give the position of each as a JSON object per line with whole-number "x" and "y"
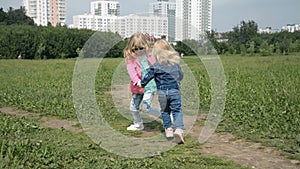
{"x": 135, "y": 127}
{"x": 178, "y": 136}
{"x": 169, "y": 132}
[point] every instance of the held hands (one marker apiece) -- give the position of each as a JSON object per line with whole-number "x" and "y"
{"x": 139, "y": 84}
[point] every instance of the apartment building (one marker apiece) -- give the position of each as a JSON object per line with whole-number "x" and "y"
{"x": 183, "y": 19}
{"x": 166, "y": 9}
{"x": 104, "y": 16}
{"x": 95, "y": 22}
{"x": 291, "y": 27}
{"x": 105, "y": 8}
{"x": 193, "y": 18}
{"x": 155, "y": 26}
{"x": 44, "y": 12}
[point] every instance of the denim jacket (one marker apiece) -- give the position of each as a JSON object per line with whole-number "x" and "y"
{"x": 166, "y": 76}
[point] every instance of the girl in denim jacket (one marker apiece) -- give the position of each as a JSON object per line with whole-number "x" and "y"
{"x": 138, "y": 60}
{"x": 167, "y": 74}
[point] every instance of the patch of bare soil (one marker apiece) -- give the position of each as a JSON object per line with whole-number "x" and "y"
{"x": 248, "y": 154}
{"x": 46, "y": 122}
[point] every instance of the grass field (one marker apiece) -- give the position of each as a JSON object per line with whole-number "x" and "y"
{"x": 262, "y": 104}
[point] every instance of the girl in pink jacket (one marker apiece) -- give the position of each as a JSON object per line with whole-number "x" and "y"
{"x": 138, "y": 60}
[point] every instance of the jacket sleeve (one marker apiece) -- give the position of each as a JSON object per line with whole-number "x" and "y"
{"x": 181, "y": 74}
{"x": 149, "y": 76}
{"x": 133, "y": 73}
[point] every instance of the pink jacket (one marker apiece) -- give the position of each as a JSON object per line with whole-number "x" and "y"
{"x": 135, "y": 72}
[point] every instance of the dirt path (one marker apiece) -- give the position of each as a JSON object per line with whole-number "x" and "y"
{"x": 46, "y": 122}
{"x": 248, "y": 154}
{"x": 224, "y": 145}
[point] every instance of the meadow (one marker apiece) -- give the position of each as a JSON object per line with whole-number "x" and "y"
{"x": 262, "y": 105}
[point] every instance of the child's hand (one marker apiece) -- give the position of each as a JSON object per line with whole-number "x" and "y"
{"x": 139, "y": 84}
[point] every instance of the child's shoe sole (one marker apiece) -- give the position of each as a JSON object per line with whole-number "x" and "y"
{"x": 178, "y": 136}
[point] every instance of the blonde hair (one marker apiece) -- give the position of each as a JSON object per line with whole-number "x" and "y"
{"x": 135, "y": 40}
{"x": 165, "y": 53}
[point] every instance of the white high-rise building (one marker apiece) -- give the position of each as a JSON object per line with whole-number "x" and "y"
{"x": 193, "y": 18}
{"x": 167, "y": 9}
{"x": 46, "y": 11}
{"x": 185, "y": 19}
{"x": 105, "y": 8}
{"x": 104, "y": 16}
{"x": 156, "y": 26}
{"x": 95, "y": 22}
{"x": 291, "y": 27}
{"x": 125, "y": 26}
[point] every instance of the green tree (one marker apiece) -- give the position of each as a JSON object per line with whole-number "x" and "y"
{"x": 234, "y": 40}
{"x": 264, "y": 49}
{"x": 3, "y": 16}
{"x": 251, "y": 48}
{"x": 187, "y": 47}
{"x": 248, "y": 30}
{"x": 277, "y": 48}
{"x": 117, "y": 50}
{"x": 222, "y": 48}
{"x": 295, "y": 46}
{"x": 18, "y": 16}
{"x": 38, "y": 42}
{"x": 213, "y": 41}
{"x": 284, "y": 45}
{"x": 242, "y": 34}
{"x": 243, "y": 49}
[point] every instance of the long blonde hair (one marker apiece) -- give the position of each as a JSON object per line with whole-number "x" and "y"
{"x": 165, "y": 53}
{"x": 135, "y": 40}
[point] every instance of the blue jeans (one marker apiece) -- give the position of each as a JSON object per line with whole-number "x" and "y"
{"x": 170, "y": 102}
{"x": 146, "y": 100}
{"x": 146, "y": 104}
{"x": 135, "y": 107}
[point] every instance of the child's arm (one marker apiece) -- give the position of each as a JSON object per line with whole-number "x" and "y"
{"x": 148, "y": 77}
{"x": 134, "y": 75}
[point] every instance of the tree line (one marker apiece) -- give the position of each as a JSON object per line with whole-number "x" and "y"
{"x": 36, "y": 42}
{"x": 244, "y": 39}
{"x": 19, "y": 36}
{"x": 14, "y": 16}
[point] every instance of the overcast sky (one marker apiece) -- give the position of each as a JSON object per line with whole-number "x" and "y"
{"x": 226, "y": 13}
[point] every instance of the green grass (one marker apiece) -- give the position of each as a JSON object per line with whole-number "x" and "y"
{"x": 263, "y": 99}
{"x": 45, "y": 87}
{"x": 262, "y": 104}
{"x": 26, "y": 145}
{"x": 38, "y": 86}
